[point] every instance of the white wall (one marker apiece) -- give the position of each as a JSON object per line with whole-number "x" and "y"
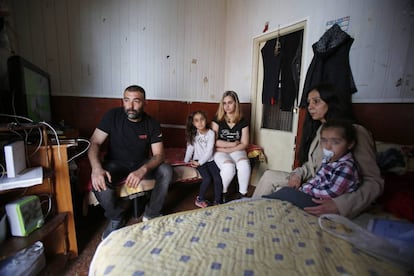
{"x": 98, "y": 47}
{"x": 378, "y": 57}
{"x": 174, "y": 48}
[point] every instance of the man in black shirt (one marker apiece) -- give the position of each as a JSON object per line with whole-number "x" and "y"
{"x": 132, "y": 136}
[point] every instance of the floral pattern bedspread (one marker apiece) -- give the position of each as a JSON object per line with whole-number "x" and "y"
{"x": 257, "y": 237}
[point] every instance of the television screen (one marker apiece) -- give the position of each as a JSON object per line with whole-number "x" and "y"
{"x": 37, "y": 95}
{"x": 29, "y": 90}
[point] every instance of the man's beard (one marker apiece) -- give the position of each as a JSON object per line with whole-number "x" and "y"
{"x": 133, "y": 114}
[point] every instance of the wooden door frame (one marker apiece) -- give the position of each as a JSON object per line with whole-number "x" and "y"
{"x": 289, "y": 28}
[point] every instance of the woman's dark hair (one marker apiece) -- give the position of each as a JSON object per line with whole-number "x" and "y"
{"x": 190, "y": 129}
{"x": 338, "y": 107}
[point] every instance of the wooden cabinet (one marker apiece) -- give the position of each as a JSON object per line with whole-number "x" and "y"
{"x": 14, "y": 244}
{"x": 58, "y": 232}
{"x": 62, "y": 189}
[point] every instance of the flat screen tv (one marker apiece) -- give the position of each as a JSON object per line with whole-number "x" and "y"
{"x": 29, "y": 94}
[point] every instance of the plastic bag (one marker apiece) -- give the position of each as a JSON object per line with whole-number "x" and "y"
{"x": 367, "y": 241}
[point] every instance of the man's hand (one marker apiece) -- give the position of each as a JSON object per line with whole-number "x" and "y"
{"x": 134, "y": 178}
{"x": 326, "y": 206}
{"x": 98, "y": 179}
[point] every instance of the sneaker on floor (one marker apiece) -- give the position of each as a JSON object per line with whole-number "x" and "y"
{"x": 224, "y": 198}
{"x": 146, "y": 218}
{"x": 240, "y": 195}
{"x": 201, "y": 203}
{"x": 112, "y": 226}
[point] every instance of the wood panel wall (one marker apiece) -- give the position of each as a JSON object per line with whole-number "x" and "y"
{"x": 389, "y": 122}
{"x": 85, "y": 113}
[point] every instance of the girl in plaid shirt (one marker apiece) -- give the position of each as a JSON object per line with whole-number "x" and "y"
{"x": 338, "y": 173}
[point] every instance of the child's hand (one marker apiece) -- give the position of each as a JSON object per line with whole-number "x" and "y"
{"x": 194, "y": 163}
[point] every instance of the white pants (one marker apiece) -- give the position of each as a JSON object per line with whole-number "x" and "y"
{"x": 270, "y": 182}
{"x": 228, "y": 163}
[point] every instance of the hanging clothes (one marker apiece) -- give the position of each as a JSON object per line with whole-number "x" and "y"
{"x": 330, "y": 64}
{"x": 291, "y": 62}
{"x": 281, "y": 62}
{"x": 271, "y": 72}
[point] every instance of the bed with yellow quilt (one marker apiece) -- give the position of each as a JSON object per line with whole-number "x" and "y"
{"x": 256, "y": 237}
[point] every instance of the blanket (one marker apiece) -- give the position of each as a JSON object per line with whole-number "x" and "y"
{"x": 256, "y": 237}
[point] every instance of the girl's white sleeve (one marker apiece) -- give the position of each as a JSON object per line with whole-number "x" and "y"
{"x": 189, "y": 153}
{"x": 209, "y": 150}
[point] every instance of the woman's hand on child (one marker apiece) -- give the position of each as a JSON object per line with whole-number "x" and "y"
{"x": 294, "y": 181}
{"x": 326, "y": 206}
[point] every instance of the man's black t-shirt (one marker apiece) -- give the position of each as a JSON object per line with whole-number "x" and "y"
{"x": 129, "y": 141}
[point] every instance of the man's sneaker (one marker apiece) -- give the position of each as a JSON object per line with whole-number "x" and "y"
{"x": 201, "y": 203}
{"x": 112, "y": 226}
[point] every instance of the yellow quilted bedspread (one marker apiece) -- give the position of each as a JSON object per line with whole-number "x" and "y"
{"x": 259, "y": 237}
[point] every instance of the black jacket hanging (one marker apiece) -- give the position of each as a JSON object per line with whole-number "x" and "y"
{"x": 330, "y": 64}
{"x": 291, "y": 61}
{"x": 271, "y": 72}
{"x": 284, "y": 63}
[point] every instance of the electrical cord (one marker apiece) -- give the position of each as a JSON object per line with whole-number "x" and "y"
{"x": 15, "y": 124}
{"x": 77, "y": 140}
{"x": 27, "y": 134}
{"x": 49, "y": 201}
{"x": 16, "y": 117}
{"x": 41, "y": 137}
{"x": 83, "y": 151}
{"x": 56, "y": 137}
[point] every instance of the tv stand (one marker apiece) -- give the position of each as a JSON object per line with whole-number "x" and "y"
{"x": 59, "y": 231}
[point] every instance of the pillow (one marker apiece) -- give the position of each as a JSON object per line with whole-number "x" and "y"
{"x": 398, "y": 195}
{"x": 394, "y": 158}
{"x": 409, "y": 150}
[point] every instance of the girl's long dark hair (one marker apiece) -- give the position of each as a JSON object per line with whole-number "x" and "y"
{"x": 190, "y": 129}
{"x": 338, "y": 107}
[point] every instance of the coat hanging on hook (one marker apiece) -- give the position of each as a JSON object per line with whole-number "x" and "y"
{"x": 330, "y": 64}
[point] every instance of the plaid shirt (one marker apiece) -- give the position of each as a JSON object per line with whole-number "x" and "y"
{"x": 333, "y": 179}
